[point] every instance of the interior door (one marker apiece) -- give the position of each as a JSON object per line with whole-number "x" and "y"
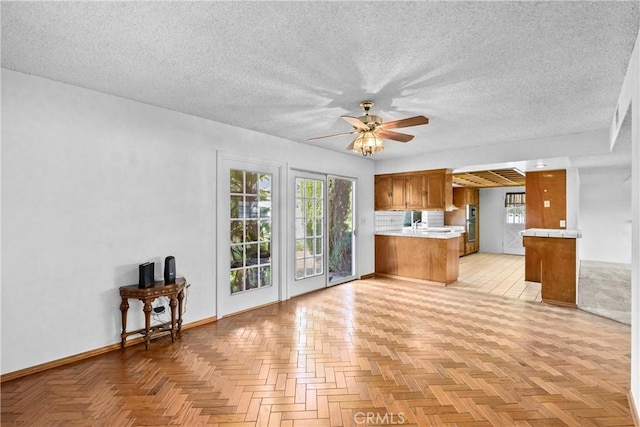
{"x": 342, "y": 232}
{"x": 248, "y": 236}
{"x": 309, "y": 270}
{"x": 512, "y": 239}
{"x": 514, "y": 222}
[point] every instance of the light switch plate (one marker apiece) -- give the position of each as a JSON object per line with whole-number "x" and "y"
{"x": 563, "y": 223}
{"x": 547, "y": 203}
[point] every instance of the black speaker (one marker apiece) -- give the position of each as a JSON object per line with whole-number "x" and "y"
{"x": 169, "y": 270}
{"x": 146, "y": 275}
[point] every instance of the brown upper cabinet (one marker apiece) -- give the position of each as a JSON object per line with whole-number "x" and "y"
{"x": 546, "y": 193}
{"x": 425, "y": 190}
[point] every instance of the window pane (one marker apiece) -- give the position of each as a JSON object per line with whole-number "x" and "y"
{"x": 265, "y": 253}
{"x": 235, "y": 206}
{"x": 309, "y": 267}
{"x": 299, "y": 211}
{"x": 265, "y": 209}
{"x": 310, "y": 245}
{"x": 252, "y": 278}
{"x": 319, "y": 227}
{"x": 319, "y": 264}
{"x": 319, "y": 186}
{"x": 309, "y": 210}
{"x": 251, "y": 183}
{"x": 309, "y": 188}
{"x": 299, "y": 187}
{"x": 237, "y": 256}
{"x": 252, "y": 254}
{"x": 236, "y": 181}
{"x": 237, "y": 231}
{"x": 308, "y": 231}
{"x": 319, "y": 245}
{"x": 265, "y": 231}
{"x": 265, "y": 276}
{"x": 299, "y": 269}
{"x": 251, "y": 207}
{"x": 237, "y": 280}
{"x": 251, "y": 230}
{"x": 265, "y": 187}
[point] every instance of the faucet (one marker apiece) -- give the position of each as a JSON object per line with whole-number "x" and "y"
{"x": 414, "y": 225}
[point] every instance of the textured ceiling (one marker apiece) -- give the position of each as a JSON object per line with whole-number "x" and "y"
{"x": 483, "y": 72}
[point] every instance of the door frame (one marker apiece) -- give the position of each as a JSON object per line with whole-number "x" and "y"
{"x": 226, "y": 161}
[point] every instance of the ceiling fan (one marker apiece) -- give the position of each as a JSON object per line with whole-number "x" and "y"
{"x": 371, "y": 130}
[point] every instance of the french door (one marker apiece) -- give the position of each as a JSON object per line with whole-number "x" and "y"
{"x": 248, "y": 235}
{"x": 323, "y": 231}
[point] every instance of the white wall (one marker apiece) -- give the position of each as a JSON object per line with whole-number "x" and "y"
{"x": 492, "y": 217}
{"x": 605, "y": 214}
{"x": 93, "y": 185}
{"x": 630, "y": 98}
{"x": 634, "y": 73}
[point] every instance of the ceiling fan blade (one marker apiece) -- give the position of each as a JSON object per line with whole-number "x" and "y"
{"x": 411, "y": 121}
{"x": 355, "y": 122}
{"x": 396, "y": 136}
{"x": 350, "y": 146}
{"x": 330, "y": 136}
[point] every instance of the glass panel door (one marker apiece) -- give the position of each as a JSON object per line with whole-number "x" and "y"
{"x": 309, "y": 195}
{"x": 341, "y": 236}
{"x": 247, "y": 235}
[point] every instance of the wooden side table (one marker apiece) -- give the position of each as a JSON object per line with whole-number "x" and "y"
{"x": 175, "y": 293}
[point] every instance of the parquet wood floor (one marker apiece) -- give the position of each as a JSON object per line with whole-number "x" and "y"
{"x": 370, "y": 352}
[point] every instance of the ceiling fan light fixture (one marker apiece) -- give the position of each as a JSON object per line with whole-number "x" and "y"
{"x": 368, "y": 143}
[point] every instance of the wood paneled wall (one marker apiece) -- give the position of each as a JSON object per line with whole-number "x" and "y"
{"x": 550, "y": 187}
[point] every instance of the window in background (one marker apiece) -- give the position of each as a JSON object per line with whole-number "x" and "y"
{"x": 515, "y": 208}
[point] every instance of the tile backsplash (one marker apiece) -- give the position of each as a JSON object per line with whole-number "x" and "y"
{"x": 433, "y": 218}
{"x": 395, "y": 220}
{"x": 389, "y": 220}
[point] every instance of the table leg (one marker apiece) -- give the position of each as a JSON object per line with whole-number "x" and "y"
{"x": 147, "y": 323}
{"x": 180, "y": 299}
{"x": 173, "y": 304}
{"x": 124, "y": 307}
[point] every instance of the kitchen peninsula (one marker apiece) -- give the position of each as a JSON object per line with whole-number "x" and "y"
{"x": 418, "y": 254}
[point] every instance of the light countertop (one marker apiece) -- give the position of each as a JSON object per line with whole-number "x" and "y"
{"x": 552, "y": 232}
{"x": 429, "y": 233}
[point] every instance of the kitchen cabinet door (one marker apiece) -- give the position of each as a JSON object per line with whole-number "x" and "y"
{"x": 435, "y": 191}
{"x": 382, "y": 190}
{"x": 398, "y": 193}
{"x": 415, "y": 192}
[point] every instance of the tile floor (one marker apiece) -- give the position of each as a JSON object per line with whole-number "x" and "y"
{"x": 496, "y": 274}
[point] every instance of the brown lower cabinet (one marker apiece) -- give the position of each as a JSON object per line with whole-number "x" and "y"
{"x": 552, "y": 262}
{"x": 434, "y": 260}
{"x": 467, "y": 248}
